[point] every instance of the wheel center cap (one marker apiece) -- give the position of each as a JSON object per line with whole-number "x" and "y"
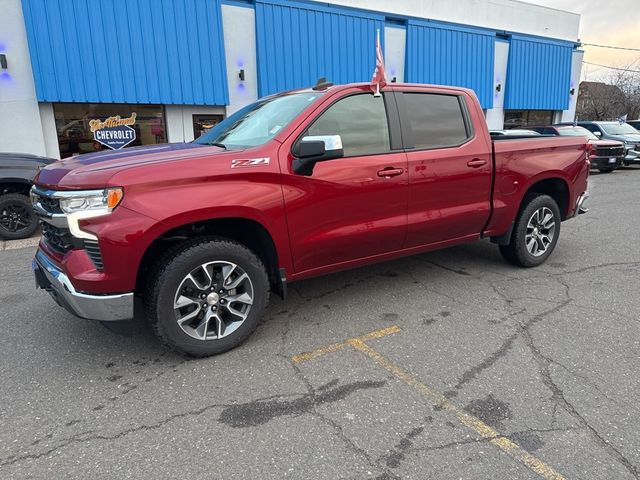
{"x": 212, "y": 298}
{"x": 535, "y": 231}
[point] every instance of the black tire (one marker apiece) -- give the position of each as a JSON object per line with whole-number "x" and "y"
{"x": 606, "y": 170}
{"x": 17, "y": 218}
{"x": 164, "y": 281}
{"x": 516, "y": 252}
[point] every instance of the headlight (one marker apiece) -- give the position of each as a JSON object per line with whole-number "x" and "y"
{"x": 99, "y": 202}
{"x": 88, "y": 204}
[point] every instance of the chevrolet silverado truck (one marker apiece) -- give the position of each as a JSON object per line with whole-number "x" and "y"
{"x": 295, "y": 185}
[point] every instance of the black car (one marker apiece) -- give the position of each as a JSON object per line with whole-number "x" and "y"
{"x": 17, "y": 219}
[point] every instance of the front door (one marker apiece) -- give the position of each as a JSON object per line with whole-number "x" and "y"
{"x": 351, "y": 207}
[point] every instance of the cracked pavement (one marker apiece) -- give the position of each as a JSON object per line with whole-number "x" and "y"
{"x": 548, "y": 357}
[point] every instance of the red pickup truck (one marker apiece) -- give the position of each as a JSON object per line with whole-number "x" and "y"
{"x": 295, "y": 185}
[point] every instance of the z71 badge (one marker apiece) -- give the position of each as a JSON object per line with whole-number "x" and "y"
{"x": 250, "y": 162}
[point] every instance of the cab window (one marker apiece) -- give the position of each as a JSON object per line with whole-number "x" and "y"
{"x": 361, "y": 122}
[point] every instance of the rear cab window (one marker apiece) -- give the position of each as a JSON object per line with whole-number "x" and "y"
{"x": 436, "y": 120}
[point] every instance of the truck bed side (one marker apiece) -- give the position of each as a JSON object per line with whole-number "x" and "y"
{"x": 521, "y": 163}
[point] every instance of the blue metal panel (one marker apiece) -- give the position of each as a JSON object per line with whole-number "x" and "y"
{"x": 127, "y": 51}
{"x": 538, "y": 74}
{"x": 299, "y": 42}
{"x": 443, "y": 54}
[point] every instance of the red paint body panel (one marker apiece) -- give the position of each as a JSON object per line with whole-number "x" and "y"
{"x": 342, "y": 216}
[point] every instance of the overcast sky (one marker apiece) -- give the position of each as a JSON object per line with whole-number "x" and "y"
{"x": 608, "y": 22}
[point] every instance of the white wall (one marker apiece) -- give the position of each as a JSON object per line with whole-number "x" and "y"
{"x": 395, "y": 40}
{"x": 20, "y": 127}
{"x": 49, "y": 132}
{"x": 509, "y": 15}
{"x": 495, "y": 115}
{"x": 239, "y": 30}
{"x": 576, "y": 72}
{"x": 179, "y": 120}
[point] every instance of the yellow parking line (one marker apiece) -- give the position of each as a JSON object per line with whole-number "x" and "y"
{"x": 334, "y": 347}
{"x": 469, "y": 421}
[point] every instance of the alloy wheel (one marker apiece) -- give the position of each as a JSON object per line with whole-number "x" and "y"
{"x": 15, "y": 218}
{"x": 213, "y": 300}
{"x": 540, "y": 231}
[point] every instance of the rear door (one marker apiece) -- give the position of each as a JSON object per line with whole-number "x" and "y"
{"x": 351, "y": 207}
{"x": 449, "y": 163}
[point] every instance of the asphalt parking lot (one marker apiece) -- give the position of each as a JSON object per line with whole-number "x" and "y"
{"x": 447, "y": 365}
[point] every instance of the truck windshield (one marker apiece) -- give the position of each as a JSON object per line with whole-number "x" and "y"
{"x": 258, "y": 122}
{"x": 618, "y": 129}
{"x": 577, "y": 132}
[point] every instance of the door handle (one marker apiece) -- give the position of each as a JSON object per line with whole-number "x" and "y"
{"x": 390, "y": 172}
{"x": 476, "y": 163}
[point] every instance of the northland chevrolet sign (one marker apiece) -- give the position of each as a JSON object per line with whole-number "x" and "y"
{"x": 114, "y": 132}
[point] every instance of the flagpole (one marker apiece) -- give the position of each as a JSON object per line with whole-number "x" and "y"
{"x": 377, "y": 94}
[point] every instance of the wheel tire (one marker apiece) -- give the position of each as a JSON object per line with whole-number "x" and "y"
{"x": 516, "y": 252}
{"x": 16, "y": 203}
{"x": 606, "y": 170}
{"x": 165, "y": 282}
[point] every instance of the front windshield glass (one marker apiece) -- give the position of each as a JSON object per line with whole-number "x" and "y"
{"x": 259, "y": 122}
{"x": 577, "y": 132}
{"x": 619, "y": 129}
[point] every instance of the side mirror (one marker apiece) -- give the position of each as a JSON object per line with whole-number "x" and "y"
{"x": 316, "y": 148}
{"x": 597, "y": 134}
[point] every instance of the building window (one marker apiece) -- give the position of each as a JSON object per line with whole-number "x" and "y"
{"x": 523, "y": 118}
{"x": 91, "y": 127}
{"x": 203, "y": 123}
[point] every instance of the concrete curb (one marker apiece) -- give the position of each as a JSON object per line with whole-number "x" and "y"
{"x": 15, "y": 244}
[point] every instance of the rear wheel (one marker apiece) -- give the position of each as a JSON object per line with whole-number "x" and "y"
{"x": 207, "y": 297}
{"x": 536, "y": 232}
{"x": 17, "y": 218}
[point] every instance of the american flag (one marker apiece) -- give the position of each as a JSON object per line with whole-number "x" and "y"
{"x": 378, "y": 80}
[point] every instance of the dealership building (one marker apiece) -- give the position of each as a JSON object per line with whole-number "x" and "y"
{"x": 82, "y": 75}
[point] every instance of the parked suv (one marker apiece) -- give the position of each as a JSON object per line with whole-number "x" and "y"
{"x": 634, "y": 123}
{"x": 622, "y": 132}
{"x": 17, "y": 219}
{"x": 606, "y": 155}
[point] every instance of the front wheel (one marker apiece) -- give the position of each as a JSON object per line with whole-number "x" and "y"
{"x": 17, "y": 218}
{"x": 535, "y": 233}
{"x": 207, "y": 296}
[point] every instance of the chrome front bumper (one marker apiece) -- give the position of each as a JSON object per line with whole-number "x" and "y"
{"x": 106, "y": 308}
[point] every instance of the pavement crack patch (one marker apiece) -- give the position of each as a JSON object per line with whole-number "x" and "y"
{"x": 88, "y": 436}
{"x": 559, "y": 397}
{"x": 258, "y": 412}
{"x": 487, "y": 363}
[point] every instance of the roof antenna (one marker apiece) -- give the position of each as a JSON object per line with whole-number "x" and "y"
{"x": 322, "y": 84}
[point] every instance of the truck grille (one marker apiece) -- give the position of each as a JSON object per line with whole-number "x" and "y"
{"x": 59, "y": 239}
{"x": 54, "y": 228}
{"x": 610, "y": 151}
{"x": 93, "y": 250}
{"x": 51, "y": 205}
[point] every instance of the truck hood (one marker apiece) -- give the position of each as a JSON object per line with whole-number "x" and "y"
{"x": 628, "y": 137}
{"x": 93, "y": 170}
{"x": 605, "y": 143}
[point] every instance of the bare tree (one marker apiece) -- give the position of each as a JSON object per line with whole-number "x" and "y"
{"x": 617, "y": 95}
{"x": 627, "y": 80}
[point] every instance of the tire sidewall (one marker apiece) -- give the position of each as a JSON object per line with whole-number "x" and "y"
{"x": 524, "y": 257}
{"x": 179, "y": 268}
{"x": 23, "y": 201}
